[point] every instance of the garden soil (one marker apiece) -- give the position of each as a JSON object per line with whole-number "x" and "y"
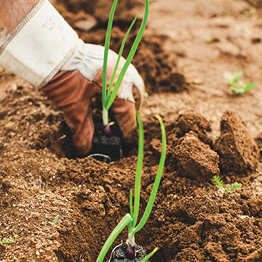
{"x": 186, "y": 48}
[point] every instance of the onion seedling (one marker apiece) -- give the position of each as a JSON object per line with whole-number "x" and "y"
{"x": 109, "y": 95}
{"x": 130, "y": 219}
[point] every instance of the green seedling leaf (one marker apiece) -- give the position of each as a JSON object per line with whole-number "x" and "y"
{"x": 232, "y": 78}
{"x": 219, "y": 182}
{"x": 236, "y": 186}
{"x": 131, "y": 203}
{"x": 237, "y": 86}
{"x": 235, "y": 76}
{"x": 146, "y": 95}
{"x": 210, "y": 39}
{"x": 227, "y": 189}
{"x": 54, "y": 221}
{"x": 241, "y": 89}
{"x": 8, "y": 241}
{"x": 227, "y": 76}
{"x": 249, "y": 86}
{"x": 249, "y": 13}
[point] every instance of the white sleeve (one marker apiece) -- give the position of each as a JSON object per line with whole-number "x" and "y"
{"x": 39, "y": 46}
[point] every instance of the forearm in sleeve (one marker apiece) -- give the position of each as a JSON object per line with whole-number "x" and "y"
{"x": 12, "y": 12}
{"x": 39, "y": 46}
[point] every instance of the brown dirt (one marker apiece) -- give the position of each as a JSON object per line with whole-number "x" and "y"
{"x": 209, "y": 132}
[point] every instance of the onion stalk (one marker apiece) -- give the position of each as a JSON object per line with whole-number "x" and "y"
{"x": 109, "y": 95}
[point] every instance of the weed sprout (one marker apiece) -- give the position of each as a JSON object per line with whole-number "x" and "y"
{"x": 54, "y": 221}
{"x": 237, "y": 86}
{"x": 7, "y": 241}
{"x": 227, "y": 189}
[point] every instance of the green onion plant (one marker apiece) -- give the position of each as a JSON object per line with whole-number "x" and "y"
{"x": 109, "y": 95}
{"x": 130, "y": 219}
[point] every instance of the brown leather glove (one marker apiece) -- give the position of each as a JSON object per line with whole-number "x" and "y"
{"x": 80, "y": 80}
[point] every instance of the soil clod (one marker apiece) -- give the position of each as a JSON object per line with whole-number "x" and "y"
{"x": 238, "y": 151}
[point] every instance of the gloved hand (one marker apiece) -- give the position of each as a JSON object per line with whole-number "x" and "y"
{"x": 45, "y": 51}
{"x": 80, "y": 80}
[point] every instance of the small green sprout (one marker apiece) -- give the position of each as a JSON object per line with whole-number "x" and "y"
{"x": 211, "y": 39}
{"x": 7, "y": 241}
{"x": 237, "y": 86}
{"x": 109, "y": 95}
{"x": 250, "y": 12}
{"x": 54, "y": 221}
{"x": 227, "y": 189}
{"x": 130, "y": 219}
{"x": 146, "y": 95}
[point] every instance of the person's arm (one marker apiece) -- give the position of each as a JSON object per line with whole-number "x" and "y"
{"x": 12, "y": 12}
{"x": 43, "y": 49}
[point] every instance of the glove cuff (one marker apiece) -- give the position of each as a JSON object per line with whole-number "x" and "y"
{"x": 39, "y": 46}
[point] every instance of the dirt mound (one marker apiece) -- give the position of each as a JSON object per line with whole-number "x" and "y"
{"x": 193, "y": 158}
{"x": 237, "y": 149}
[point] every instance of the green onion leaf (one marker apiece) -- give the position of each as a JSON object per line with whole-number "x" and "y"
{"x": 131, "y": 203}
{"x": 127, "y": 219}
{"x": 157, "y": 180}
{"x": 106, "y": 49}
{"x": 149, "y": 255}
{"x": 138, "y": 169}
{"x": 117, "y": 63}
{"x": 130, "y": 56}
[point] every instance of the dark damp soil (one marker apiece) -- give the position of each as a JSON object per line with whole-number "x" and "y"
{"x": 107, "y": 147}
{"x": 209, "y": 132}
